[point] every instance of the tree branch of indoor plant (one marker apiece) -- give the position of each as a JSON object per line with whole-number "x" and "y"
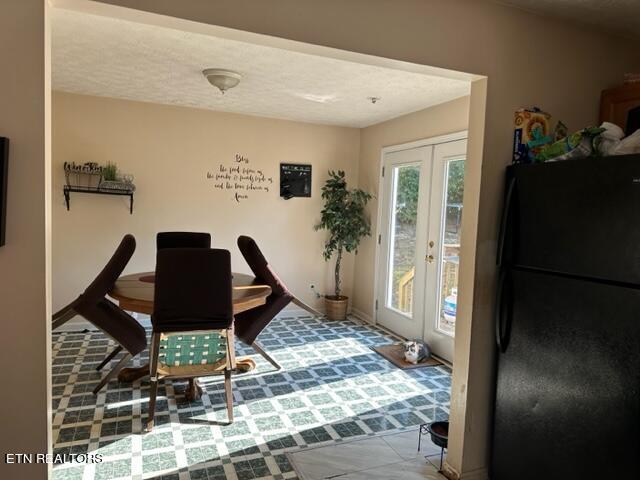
{"x": 343, "y": 216}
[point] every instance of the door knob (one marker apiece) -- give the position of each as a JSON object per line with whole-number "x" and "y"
{"x": 429, "y": 259}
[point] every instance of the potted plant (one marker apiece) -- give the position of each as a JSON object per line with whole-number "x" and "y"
{"x": 343, "y": 216}
{"x": 110, "y": 172}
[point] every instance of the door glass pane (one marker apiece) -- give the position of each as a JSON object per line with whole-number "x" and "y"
{"x": 450, "y": 245}
{"x": 402, "y": 255}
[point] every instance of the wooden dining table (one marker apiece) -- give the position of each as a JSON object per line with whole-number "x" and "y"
{"x": 135, "y": 293}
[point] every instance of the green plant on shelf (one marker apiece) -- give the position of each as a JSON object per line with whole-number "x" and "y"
{"x": 110, "y": 172}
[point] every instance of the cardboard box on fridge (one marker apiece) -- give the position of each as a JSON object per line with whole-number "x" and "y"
{"x": 532, "y": 132}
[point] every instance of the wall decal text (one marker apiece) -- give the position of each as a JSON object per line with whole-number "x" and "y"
{"x": 239, "y": 178}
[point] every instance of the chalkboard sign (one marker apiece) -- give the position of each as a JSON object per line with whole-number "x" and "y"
{"x": 4, "y": 160}
{"x": 295, "y": 180}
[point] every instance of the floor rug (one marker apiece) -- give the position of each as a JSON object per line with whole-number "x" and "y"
{"x": 395, "y": 354}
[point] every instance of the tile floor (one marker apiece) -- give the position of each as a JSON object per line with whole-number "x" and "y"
{"x": 382, "y": 457}
{"x": 332, "y": 389}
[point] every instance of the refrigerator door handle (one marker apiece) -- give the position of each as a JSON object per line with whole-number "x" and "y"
{"x": 503, "y": 310}
{"x": 504, "y": 223}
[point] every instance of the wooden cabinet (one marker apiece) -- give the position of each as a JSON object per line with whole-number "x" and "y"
{"x": 621, "y": 105}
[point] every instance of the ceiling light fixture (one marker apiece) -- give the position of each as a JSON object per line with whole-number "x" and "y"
{"x": 222, "y": 79}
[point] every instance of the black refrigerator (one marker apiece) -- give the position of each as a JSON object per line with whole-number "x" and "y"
{"x": 567, "y": 399}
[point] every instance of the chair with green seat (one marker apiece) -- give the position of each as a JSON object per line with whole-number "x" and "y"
{"x": 192, "y": 319}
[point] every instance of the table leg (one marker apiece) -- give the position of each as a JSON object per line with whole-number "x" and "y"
{"x": 193, "y": 391}
{"x": 128, "y": 375}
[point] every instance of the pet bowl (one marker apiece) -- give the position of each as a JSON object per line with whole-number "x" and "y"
{"x": 439, "y": 433}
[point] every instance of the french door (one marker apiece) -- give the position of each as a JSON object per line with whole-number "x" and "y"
{"x": 419, "y": 238}
{"x": 406, "y": 176}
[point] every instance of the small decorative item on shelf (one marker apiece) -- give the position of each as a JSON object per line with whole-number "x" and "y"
{"x": 110, "y": 180}
{"x": 123, "y": 185}
{"x": 109, "y": 172}
{"x": 87, "y": 175}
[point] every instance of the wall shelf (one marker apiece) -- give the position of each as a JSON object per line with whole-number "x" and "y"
{"x": 96, "y": 191}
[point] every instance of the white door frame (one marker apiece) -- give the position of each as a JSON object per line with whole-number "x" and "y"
{"x": 451, "y": 137}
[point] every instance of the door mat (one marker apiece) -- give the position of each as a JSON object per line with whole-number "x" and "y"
{"x": 395, "y": 354}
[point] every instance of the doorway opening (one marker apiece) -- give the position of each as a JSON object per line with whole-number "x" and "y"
{"x": 347, "y": 414}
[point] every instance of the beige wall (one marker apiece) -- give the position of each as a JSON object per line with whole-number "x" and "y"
{"x": 445, "y": 118}
{"x": 529, "y": 60}
{"x": 24, "y": 408}
{"x": 169, "y": 150}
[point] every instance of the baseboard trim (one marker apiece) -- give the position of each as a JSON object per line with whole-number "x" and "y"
{"x": 359, "y": 314}
{"x": 452, "y": 474}
{"x": 479, "y": 474}
{"x": 297, "y": 311}
{"x": 78, "y": 324}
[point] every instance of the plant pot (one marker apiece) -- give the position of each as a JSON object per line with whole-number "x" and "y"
{"x": 336, "y": 307}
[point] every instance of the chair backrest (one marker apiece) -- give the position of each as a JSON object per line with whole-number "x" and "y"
{"x": 106, "y": 279}
{"x": 183, "y": 240}
{"x": 259, "y": 265}
{"x": 193, "y": 290}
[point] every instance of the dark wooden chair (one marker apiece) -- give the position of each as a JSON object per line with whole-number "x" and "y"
{"x": 183, "y": 240}
{"x": 192, "y": 319}
{"x": 93, "y": 305}
{"x": 249, "y": 324}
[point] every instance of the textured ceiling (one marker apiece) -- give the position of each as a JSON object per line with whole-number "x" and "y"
{"x": 620, "y": 17}
{"x": 103, "y": 56}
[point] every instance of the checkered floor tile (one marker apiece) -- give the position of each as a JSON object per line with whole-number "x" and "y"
{"x": 332, "y": 388}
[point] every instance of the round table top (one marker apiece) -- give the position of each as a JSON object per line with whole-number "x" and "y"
{"x": 135, "y": 292}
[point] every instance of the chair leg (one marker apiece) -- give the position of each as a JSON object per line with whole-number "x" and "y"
{"x": 258, "y": 348}
{"x": 113, "y": 372}
{"x": 153, "y": 375}
{"x": 231, "y": 365}
{"x": 193, "y": 393}
{"x": 231, "y": 347}
{"x": 62, "y": 317}
{"x": 306, "y": 307}
{"x": 109, "y": 357}
{"x": 228, "y": 393}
